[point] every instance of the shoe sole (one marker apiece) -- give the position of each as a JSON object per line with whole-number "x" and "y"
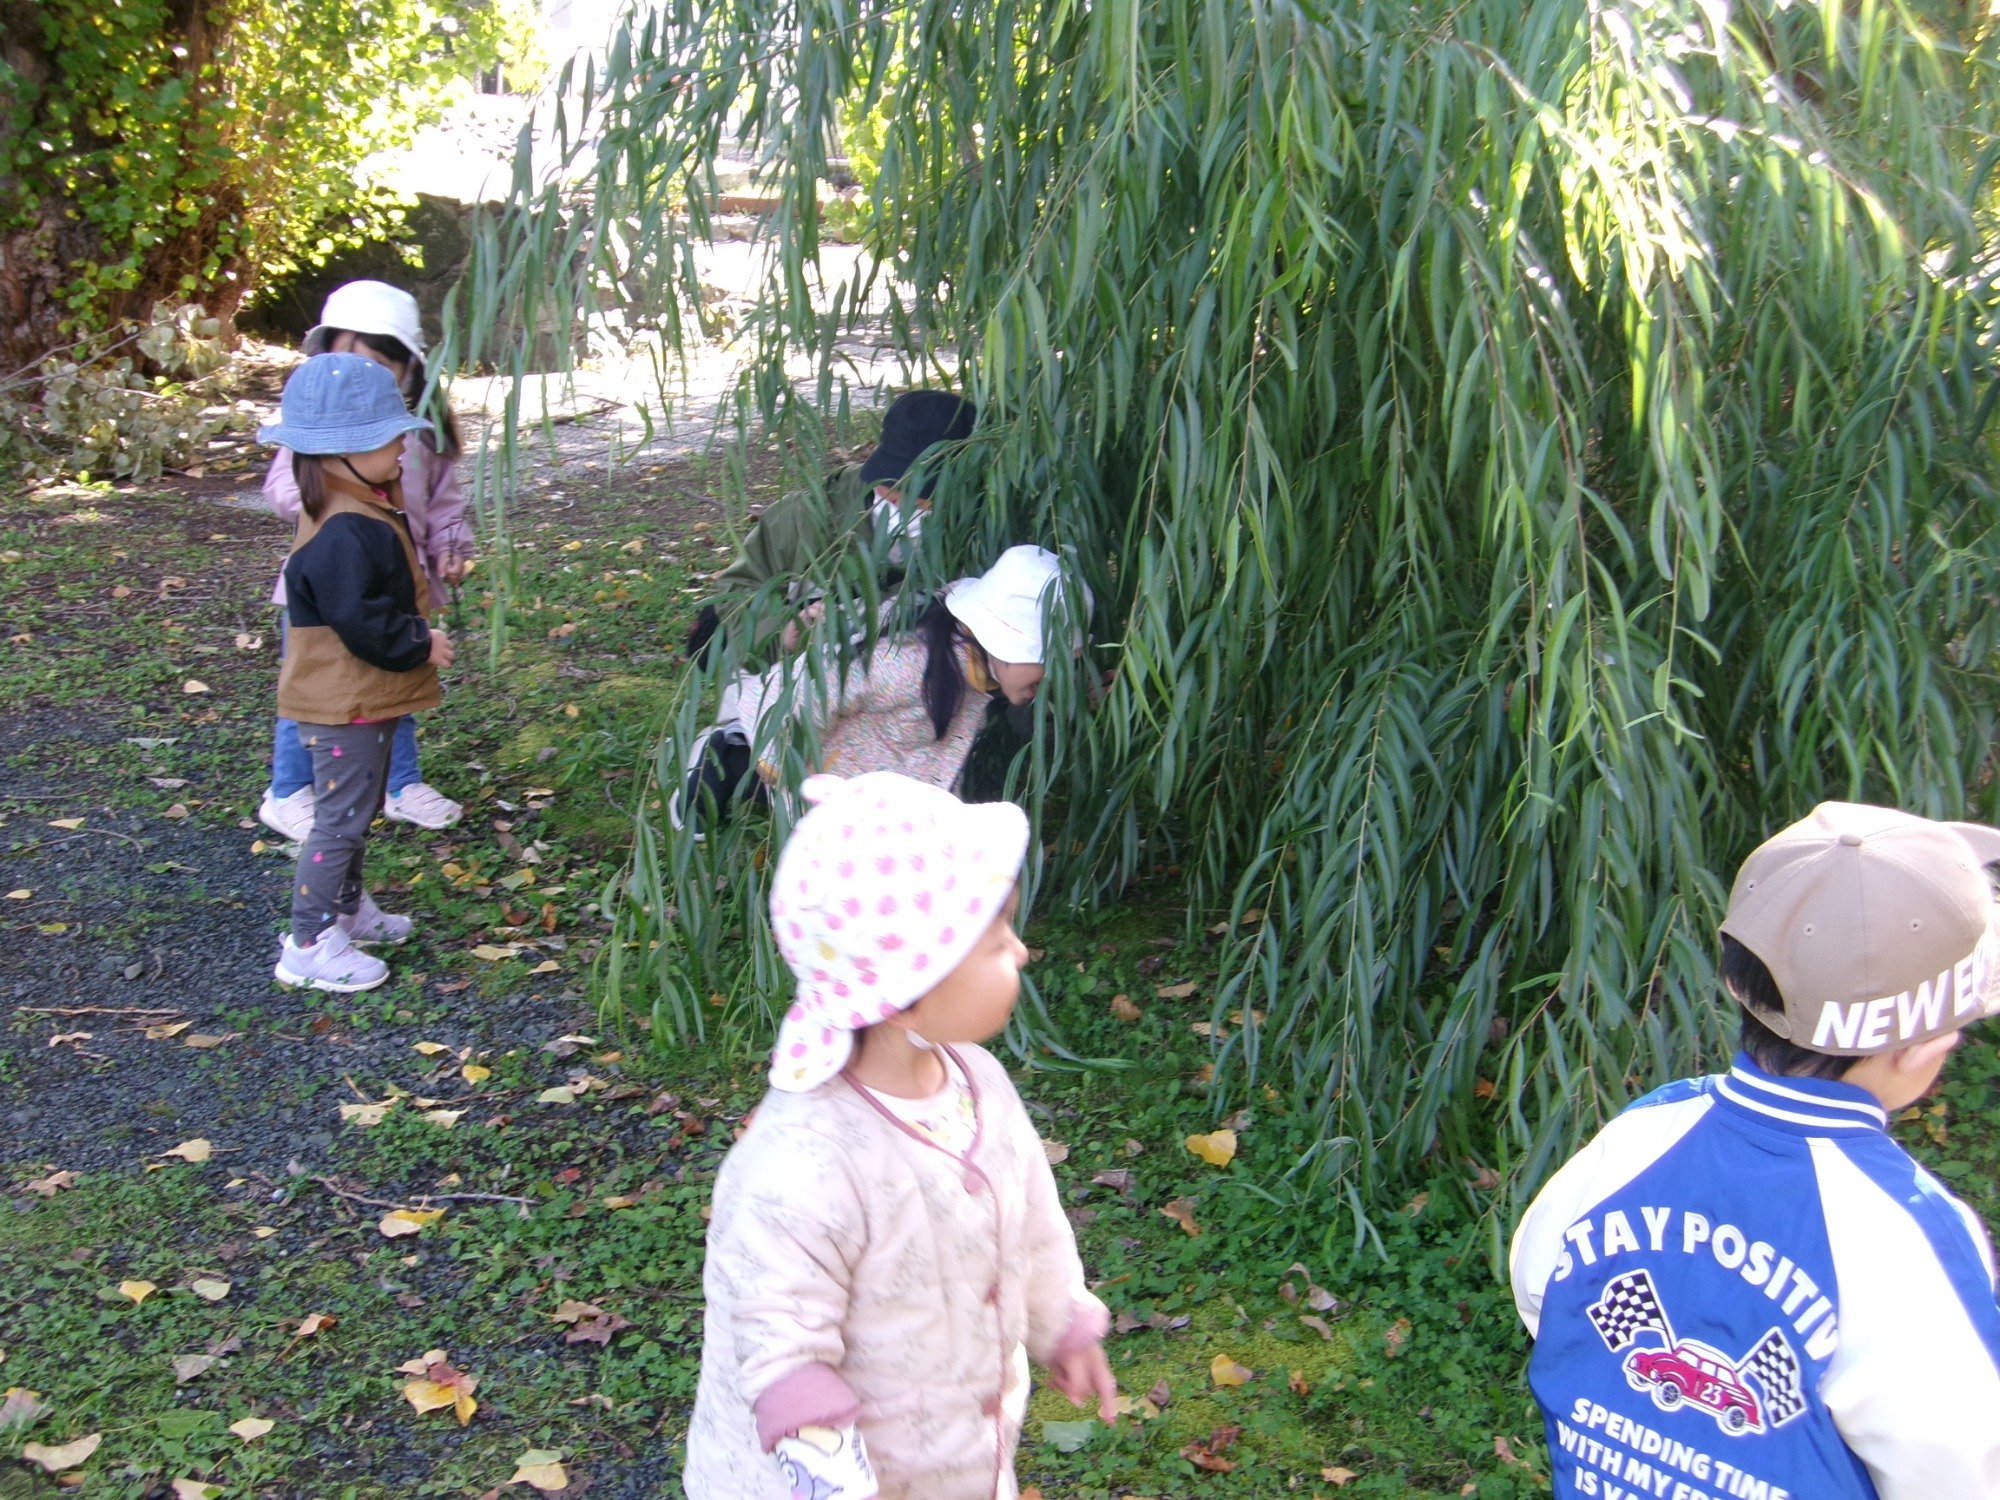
{"x": 402, "y": 817}
{"x": 283, "y": 832}
{"x": 293, "y": 981}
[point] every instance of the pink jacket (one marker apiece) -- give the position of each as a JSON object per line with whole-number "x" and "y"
{"x": 858, "y": 1272}
{"x": 434, "y": 507}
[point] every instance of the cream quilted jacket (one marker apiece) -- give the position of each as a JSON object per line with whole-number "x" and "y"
{"x": 855, "y": 1269}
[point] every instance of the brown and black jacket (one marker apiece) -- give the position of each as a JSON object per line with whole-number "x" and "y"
{"x": 356, "y": 602}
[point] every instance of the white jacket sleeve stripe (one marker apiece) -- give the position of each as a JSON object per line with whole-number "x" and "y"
{"x": 1914, "y": 1386}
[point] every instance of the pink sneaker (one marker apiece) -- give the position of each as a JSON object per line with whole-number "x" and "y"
{"x": 370, "y": 924}
{"x": 331, "y": 963}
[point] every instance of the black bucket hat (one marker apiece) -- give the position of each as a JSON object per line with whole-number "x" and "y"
{"x": 915, "y": 422}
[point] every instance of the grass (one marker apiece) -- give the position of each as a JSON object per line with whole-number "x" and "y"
{"x": 1388, "y": 1366}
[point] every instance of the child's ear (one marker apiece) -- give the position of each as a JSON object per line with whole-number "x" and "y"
{"x": 1921, "y": 1056}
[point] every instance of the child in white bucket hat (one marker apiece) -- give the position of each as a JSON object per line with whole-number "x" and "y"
{"x": 1744, "y": 1281}
{"x": 887, "y": 1249}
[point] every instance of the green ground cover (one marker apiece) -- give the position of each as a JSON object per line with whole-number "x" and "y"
{"x": 1284, "y": 1353}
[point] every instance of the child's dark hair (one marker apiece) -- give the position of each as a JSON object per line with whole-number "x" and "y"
{"x": 944, "y": 672}
{"x": 1751, "y": 986}
{"x": 445, "y": 436}
{"x": 309, "y": 469}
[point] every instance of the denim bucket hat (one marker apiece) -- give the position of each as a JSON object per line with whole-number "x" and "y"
{"x": 340, "y": 403}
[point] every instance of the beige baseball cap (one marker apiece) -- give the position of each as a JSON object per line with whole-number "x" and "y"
{"x": 1878, "y": 926}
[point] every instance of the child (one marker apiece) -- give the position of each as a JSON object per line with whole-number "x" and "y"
{"x": 1744, "y": 1286}
{"x": 860, "y": 501}
{"x": 380, "y": 322}
{"x": 361, "y": 655}
{"x": 915, "y": 706}
{"x": 887, "y": 1250}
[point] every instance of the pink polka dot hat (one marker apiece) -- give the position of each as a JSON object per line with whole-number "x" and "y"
{"x": 883, "y": 888}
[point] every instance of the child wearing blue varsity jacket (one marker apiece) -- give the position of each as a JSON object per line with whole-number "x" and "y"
{"x": 1744, "y": 1287}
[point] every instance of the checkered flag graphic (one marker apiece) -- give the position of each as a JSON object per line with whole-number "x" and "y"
{"x": 1628, "y": 1308}
{"x": 1777, "y": 1372}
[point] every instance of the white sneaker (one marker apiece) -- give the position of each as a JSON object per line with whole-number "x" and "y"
{"x": 423, "y": 805}
{"x": 331, "y": 963}
{"x": 370, "y": 924}
{"x": 291, "y": 817}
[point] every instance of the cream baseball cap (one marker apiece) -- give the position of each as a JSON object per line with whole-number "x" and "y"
{"x": 1879, "y": 927}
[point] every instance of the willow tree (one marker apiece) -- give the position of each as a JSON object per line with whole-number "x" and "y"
{"x": 1523, "y": 451}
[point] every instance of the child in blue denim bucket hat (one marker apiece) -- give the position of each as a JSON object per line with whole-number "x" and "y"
{"x": 361, "y": 654}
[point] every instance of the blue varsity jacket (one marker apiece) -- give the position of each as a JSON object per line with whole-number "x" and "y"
{"x": 1744, "y": 1288}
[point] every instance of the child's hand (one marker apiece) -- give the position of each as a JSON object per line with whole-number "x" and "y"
{"x": 441, "y": 652}
{"x": 1084, "y": 1371}
{"x": 453, "y": 567}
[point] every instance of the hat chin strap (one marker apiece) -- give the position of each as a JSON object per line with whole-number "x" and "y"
{"x": 359, "y": 475}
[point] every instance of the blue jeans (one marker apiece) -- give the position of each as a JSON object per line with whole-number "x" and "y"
{"x": 292, "y": 767}
{"x": 291, "y": 763}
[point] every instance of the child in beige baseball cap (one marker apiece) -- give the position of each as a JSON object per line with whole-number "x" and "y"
{"x": 887, "y": 1250}
{"x": 1744, "y": 1284}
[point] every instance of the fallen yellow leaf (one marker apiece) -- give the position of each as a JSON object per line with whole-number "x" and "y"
{"x": 1225, "y": 1371}
{"x": 194, "y": 1489}
{"x": 263, "y": 1231}
{"x": 475, "y": 1073}
{"x": 138, "y": 1291}
{"x": 444, "y": 1117}
{"x": 542, "y": 1468}
{"x": 401, "y": 1221}
{"x": 251, "y": 1428}
{"x": 68, "y": 825}
{"x": 546, "y": 966}
{"x": 1181, "y": 1211}
{"x": 21, "y": 893}
{"x": 207, "y": 1039}
{"x": 491, "y": 954}
{"x": 1337, "y": 1477}
{"x": 194, "y": 685}
{"x": 1218, "y": 1148}
{"x": 209, "y": 1289}
{"x": 560, "y": 1095}
{"x": 67, "y": 1456}
{"x": 429, "y": 1049}
{"x": 166, "y": 1029}
{"x": 364, "y": 1115}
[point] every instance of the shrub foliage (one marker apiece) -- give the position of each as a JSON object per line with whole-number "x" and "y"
{"x": 1523, "y": 451}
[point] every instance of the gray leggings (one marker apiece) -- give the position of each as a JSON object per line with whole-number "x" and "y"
{"x": 350, "y": 776}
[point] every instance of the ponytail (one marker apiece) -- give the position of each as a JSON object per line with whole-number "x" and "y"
{"x": 309, "y": 471}
{"x": 944, "y": 673}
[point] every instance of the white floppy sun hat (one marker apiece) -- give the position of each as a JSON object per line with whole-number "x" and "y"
{"x": 1003, "y": 607}
{"x": 883, "y": 888}
{"x": 368, "y": 307}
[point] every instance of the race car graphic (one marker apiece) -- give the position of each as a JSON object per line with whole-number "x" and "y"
{"x": 1763, "y": 1390}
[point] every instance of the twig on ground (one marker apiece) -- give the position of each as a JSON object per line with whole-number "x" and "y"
{"x": 48, "y": 843}
{"x": 91, "y": 1010}
{"x": 341, "y": 1192}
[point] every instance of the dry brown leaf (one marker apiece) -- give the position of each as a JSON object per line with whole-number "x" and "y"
{"x": 1225, "y": 1371}
{"x": 52, "y": 1184}
{"x": 569, "y": 1310}
{"x": 1338, "y": 1477}
{"x": 188, "y": 1366}
{"x": 263, "y": 1231}
{"x": 68, "y": 825}
{"x": 1397, "y": 1335}
{"x": 66, "y": 1456}
{"x": 1296, "y": 1381}
{"x": 196, "y": 1150}
{"x": 597, "y": 1330}
{"x": 1056, "y": 1151}
{"x": 1181, "y": 1211}
{"x": 194, "y": 685}
{"x": 20, "y": 1410}
{"x": 178, "y": 811}
{"x": 1123, "y": 1008}
{"x": 1317, "y": 1325}
{"x": 166, "y": 1029}
{"x": 313, "y": 1323}
{"x": 1176, "y": 991}
{"x": 492, "y": 953}
{"x": 1217, "y": 1148}
{"x": 1503, "y": 1449}
{"x": 362, "y": 1116}
{"x": 65, "y": 1038}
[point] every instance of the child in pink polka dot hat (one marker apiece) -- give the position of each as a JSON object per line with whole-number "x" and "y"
{"x": 887, "y": 1250}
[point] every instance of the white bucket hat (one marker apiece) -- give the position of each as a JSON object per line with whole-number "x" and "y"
{"x": 1003, "y": 606}
{"x": 883, "y": 888}
{"x": 368, "y": 307}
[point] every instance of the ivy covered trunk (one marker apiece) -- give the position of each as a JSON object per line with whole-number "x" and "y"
{"x": 185, "y": 150}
